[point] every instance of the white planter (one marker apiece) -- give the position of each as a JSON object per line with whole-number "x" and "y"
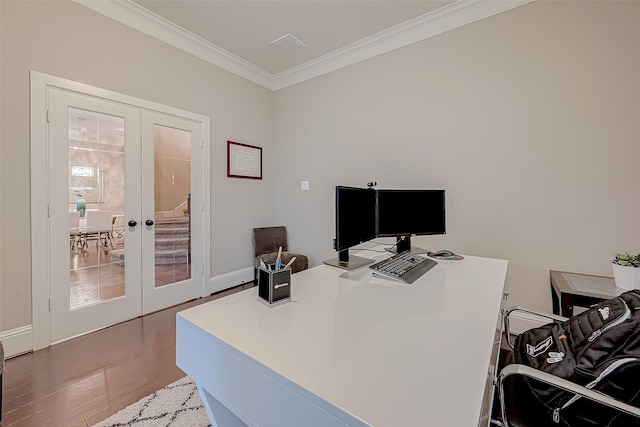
{"x": 626, "y": 277}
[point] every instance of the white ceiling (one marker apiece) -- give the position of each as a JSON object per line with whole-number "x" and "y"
{"x": 236, "y": 35}
{"x": 246, "y": 28}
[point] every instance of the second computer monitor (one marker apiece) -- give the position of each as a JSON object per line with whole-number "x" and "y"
{"x": 406, "y": 213}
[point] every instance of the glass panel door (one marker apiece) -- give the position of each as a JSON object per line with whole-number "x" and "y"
{"x": 172, "y": 185}
{"x": 96, "y": 200}
{"x": 95, "y": 184}
{"x": 172, "y": 210}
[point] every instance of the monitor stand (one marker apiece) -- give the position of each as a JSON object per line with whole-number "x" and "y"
{"x": 403, "y": 244}
{"x": 347, "y": 262}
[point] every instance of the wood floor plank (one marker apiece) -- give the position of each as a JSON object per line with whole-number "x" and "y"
{"x": 82, "y": 381}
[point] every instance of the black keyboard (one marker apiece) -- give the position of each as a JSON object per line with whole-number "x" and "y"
{"x": 404, "y": 267}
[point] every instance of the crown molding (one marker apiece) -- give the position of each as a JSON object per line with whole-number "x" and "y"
{"x": 132, "y": 15}
{"x": 445, "y": 19}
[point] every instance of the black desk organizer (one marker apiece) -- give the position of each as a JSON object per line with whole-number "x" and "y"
{"x": 274, "y": 286}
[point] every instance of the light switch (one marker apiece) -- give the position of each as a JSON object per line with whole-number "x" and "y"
{"x": 304, "y": 185}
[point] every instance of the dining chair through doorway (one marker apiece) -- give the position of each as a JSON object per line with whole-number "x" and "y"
{"x": 74, "y": 231}
{"x": 99, "y": 228}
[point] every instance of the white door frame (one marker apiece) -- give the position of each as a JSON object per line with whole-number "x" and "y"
{"x": 40, "y": 267}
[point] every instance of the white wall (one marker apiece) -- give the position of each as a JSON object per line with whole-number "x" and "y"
{"x": 528, "y": 119}
{"x": 0, "y": 164}
{"x": 67, "y": 40}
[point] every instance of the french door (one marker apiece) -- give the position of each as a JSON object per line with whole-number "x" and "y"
{"x": 172, "y": 200}
{"x": 125, "y": 211}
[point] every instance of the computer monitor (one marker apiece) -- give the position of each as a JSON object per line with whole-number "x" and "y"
{"x": 355, "y": 224}
{"x": 405, "y": 213}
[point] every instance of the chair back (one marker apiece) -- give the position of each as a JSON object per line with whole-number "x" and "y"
{"x": 269, "y": 239}
{"x": 99, "y": 221}
{"x": 74, "y": 222}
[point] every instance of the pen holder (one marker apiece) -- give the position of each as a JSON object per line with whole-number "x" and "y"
{"x": 274, "y": 286}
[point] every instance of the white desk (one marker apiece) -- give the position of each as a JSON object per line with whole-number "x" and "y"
{"x": 349, "y": 349}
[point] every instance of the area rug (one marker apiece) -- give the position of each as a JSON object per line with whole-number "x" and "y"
{"x": 176, "y": 405}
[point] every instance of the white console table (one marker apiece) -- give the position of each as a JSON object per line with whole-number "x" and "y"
{"x": 350, "y": 349}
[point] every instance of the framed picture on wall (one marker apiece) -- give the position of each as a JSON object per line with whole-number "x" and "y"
{"x": 244, "y": 161}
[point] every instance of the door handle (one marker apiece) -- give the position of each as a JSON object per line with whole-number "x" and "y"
{"x": 132, "y": 223}
{"x": 149, "y": 222}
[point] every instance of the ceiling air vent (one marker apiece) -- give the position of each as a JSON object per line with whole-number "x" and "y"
{"x": 288, "y": 44}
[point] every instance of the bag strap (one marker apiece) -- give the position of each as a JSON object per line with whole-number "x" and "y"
{"x": 584, "y": 328}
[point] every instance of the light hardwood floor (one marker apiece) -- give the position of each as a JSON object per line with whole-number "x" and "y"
{"x": 82, "y": 381}
{"x": 95, "y": 276}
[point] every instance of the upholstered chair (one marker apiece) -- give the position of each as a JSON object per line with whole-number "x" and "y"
{"x": 267, "y": 241}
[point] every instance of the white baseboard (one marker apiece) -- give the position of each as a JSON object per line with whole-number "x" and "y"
{"x": 229, "y": 280}
{"x": 17, "y": 341}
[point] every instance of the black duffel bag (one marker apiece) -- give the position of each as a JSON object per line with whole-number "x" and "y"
{"x": 598, "y": 349}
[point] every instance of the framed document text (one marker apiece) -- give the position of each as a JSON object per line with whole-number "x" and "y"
{"x": 244, "y": 161}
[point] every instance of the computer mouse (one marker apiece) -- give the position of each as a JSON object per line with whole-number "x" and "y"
{"x": 444, "y": 254}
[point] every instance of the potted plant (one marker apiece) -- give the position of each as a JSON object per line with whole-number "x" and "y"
{"x": 626, "y": 270}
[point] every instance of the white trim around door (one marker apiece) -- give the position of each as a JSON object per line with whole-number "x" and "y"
{"x": 41, "y": 267}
